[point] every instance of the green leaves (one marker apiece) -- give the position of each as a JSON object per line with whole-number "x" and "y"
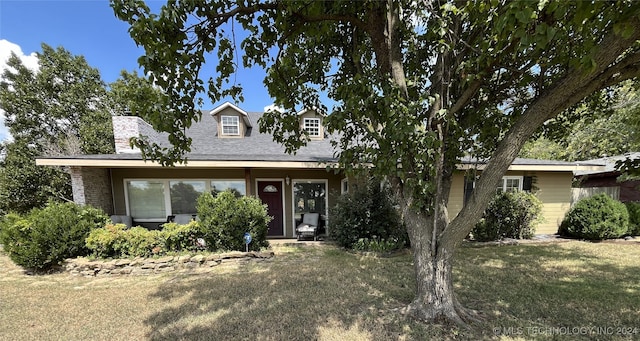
{"x": 405, "y": 86}
{"x": 60, "y": 109}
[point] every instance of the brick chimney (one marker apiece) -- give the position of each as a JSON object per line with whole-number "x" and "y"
{"x": 126, "y": 127}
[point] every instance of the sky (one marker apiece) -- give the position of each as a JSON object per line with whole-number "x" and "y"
{"x": 89, "y": 28}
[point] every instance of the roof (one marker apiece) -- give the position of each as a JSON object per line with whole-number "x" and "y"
{"x": 208, "y": 150}
{"x": 257, "y": 149}
{"x": 609, "y": 163}
{"x": 522, "y": 164}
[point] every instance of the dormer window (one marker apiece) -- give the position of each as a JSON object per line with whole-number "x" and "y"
{"x": 312, "y": 126}
{"x": 230, "y": 125}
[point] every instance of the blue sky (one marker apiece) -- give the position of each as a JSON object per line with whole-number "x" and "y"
{"x": 89, "y": 28}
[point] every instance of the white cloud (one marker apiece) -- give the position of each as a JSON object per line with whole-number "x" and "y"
{"x": 30, "y": 61}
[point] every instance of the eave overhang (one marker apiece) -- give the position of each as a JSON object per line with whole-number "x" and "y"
{"x": 129, "y": 163}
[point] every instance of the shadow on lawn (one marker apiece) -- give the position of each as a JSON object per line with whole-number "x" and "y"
{"x": 575, "y": 284}
{"x": 337, "y": 295}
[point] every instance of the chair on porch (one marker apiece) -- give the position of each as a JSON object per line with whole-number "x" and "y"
{"x": 180, "y": 219}
{"x": 309, "y": 226}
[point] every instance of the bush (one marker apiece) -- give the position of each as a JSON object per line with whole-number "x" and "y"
{"x": 595, "y": 218}
{"x": 140, "y": 242}
{"x": 107, "y": 241}
{"x": 509, "y": 215}
{"x": 225, "y": 219}
{"x": 118, "y": 241}
{"x": 45, "y": 237}
{"x": 186, "y": 237}
{"x": 633, "y": 208}
{"x": 364, "y": 215}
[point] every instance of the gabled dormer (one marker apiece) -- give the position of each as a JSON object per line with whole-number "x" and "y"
{"x": 312, "y": 122}
{"x": 232, "y": 121}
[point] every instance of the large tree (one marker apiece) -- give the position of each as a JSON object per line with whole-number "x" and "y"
{"x": 416, "y": 85}
{"x": 61, "y": 108}
{"x": 608, "y": 126}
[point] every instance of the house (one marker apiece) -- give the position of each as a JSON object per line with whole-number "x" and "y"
{"x": 607, "y": 180}
{"x": 229, "y": 152}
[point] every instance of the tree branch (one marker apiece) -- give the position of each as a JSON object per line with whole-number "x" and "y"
{"x": 568, "y": 91}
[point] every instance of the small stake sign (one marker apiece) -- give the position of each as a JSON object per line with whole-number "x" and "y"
{"x": 247, "y": 240}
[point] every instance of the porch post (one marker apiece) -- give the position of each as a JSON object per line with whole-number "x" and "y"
{"x": 247, "y": 180}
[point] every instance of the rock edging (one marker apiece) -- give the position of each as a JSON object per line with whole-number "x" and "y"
{"x": 147, "y": 266}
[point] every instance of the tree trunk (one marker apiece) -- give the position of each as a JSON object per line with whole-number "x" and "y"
{"x": 434, "y": 300}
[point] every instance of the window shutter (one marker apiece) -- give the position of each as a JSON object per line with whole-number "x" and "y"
{"x": 527, "y": 183}
{"x": 468, "y": 188}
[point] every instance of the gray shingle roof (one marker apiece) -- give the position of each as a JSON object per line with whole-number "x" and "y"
{"x": 254, "y": 146}
{"x": 609, "y": 163}
{"x": 531, "y": 162}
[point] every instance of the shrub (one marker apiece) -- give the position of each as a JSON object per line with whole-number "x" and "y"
{"x": 633, "y": 208}
{"x": 107, "y": 241}
{"x": 225, "y": 219}
{"x": 45, "y": 237}
{"x": 366, "y": 214}
{"x": 595, "y": 218}
{"x": 509, "y": 215}
{"x": 118, "y": 241}
{"x": 183, "y": 237}
{"x": 140, "y": 242}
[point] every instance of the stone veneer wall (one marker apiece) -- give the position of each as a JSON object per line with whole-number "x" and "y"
{"x": 92, "y": 186}
{"x": 148, "y": 266}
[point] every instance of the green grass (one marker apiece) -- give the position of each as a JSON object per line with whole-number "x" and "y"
{"x": 551, "y": 291}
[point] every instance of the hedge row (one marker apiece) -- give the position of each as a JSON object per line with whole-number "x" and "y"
{"x": 45, "y": 237}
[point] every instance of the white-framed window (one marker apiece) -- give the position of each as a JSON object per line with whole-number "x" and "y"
{"x": 510, "y": 184}
{"x": 312, "y": 126}
{"x": 146, "y": 198}
{"x": 344, "y": 186}
{"x": 238, "y": 187}
{"x": 184, "y": 195}
{"x": 230, "y": 125}
{"x": 155, "y": 199}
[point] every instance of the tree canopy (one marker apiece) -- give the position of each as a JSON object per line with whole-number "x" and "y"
{"x": 416, "y": 85}
{"x": 609, "y": 128}
{"x": 58, "y": 109}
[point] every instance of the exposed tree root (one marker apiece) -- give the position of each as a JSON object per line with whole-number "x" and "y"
{"x": 458, "y": 315}
{"x": 468, "y": 315}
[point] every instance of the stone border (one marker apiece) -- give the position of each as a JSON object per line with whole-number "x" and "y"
{"x": 148, "y": 266}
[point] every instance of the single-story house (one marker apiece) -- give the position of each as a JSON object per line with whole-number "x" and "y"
{"x": 229, "y": 152}
{"x": 607, "y": 180}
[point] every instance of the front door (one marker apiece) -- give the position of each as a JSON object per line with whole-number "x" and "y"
{"x": 270, "y": 192}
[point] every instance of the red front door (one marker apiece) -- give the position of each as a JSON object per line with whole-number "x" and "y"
{"x": 270, "y": 192}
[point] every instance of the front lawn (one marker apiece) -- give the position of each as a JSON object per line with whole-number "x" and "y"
{"x": 559, "y": 291}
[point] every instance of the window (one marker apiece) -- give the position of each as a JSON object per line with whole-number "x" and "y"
{"x": 230, "y": 125}
{"x": 344, "y": 186}
{"x": 146, "y": 199}
{"x": 510, "y": 184}
{"x": 184, "y": 195}
{"x": 309, "y": 196}
{"x": 155, "y": 199}
{"x": 312, "y": 126}
{"x": 238, "y": 187}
